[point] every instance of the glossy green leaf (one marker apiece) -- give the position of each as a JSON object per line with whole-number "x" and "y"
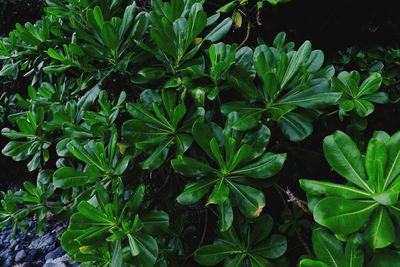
{"x": 347, "y": 217}
{"x": 331, "y": 189}
{"x": 295, "y": 126}
{"x": 312, "y": 263}
{"x": 193, "y": 192}
{"x": 344, "y": 157}
{"x": 267, "y": 166}
{"x": 380, "y": 232}
{"x": 211, "y": 255}
{"x": 109, "y": 35}
{"x": 219, "y": 193}
{"x": 68, "y": 177}
{"x": 327, "y": 248}
{"x": 250, "y": 201}
{"x": 354, "y": 254}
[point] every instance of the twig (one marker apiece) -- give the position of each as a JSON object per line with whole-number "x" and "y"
{"x": 300, "y": 203}
{"x": 247, "y": 36}
{"x": 204, "y": 230}
{"x": 292, "y": 197}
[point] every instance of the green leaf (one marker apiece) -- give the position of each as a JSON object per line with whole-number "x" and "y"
{"x": 327, "y": 248}
{"x": 354, "y": 254}
{"x": 375, "y": 161}
{"x": 377, "y": 97}
{"x": 371, "y": 84}
{"x": 294, "y": 126}
{"x": 93, "y": 214}
{"x": 267, "y": 166}
{"x": 147, "y": 75}
{"x": 312, "y": 263}
{"x": 226, "y": 215}
{"x": 243, "y": 154}
{"x": 271, "y": 248}
{"x": 155, "y": 222}
{"x": 54, "y": 54}
{"x": 183, "y": 142}
{"x": 216, "y": 153}
{"x": 295, "y": 62}
{"x": 259, "y": 261}
{"x": 55, "y": 68}
{"x": 86, "y": 154}
{"x": 262, "y": 228}
{"x": 385, "y": 257}
{"x": 219, "y": 31}
{"x": 318, "y": 95}
{"x": 363, "y": 107}
{"x": 193, "y": 192}
{"x": 202, "y": 135}
{"x": 196, "y": 23}
{"x": 67, "y": 177}
{"x": 393, "y": 162}
{"x": 157, "y": 157}
{"x": 242, "y": 81}
{"x": 250, "y": 201}
{"x": 347, "y": 217}
{"x": 127, "y": 19}
{"x": 116, "y": 260}
{"x": 18, "y": 150}
{"x": 380, "y": 231}
{"x": 133, "y": 246}
{"x": 315, "y": 61}
{"x": 219, "y": 194}
{"x": 227, "y": 7}
{"x": 98, "y": 17}
{"x": 318, "y": 188}
{"x": 387, "y": 198}
{"x": 211, "y": 255}
{"x": 191, "y": 167}
{"x": 109, "y": 35}
{"x": 344, "y": 157}
{"x": 148, "y": 249}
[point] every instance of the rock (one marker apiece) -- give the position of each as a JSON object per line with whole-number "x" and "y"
{"x": 26, "y": 249}
{"x": 8, "y": 262}
{"x": 4, "y": 254}
{"x": 41, "y": 242}
{"x": 54, "y": 264}
{"x": 20, "y": 255}
{"x": 65, "y": 258}
{"x": 56, "y": 253}
{"x": 13, "y": 244}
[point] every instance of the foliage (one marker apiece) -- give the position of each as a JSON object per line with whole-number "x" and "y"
{"x": 139, "y": 118}
{"x": 330, "y": 252}
{"x": 377, "y": 59}
{"x": 292, "y": 89}
{"x": 249, "y": 243}
{"x": 243, "y": 158}
{"x": 357, "y": 99}
{"x": 101, "y": 233}
{"x": 368, "y": 203}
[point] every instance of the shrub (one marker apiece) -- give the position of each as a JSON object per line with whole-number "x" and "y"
{"x": 136, "y": 115}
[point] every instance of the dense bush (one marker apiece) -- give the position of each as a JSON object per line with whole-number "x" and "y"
{"x": 139, "y": 119}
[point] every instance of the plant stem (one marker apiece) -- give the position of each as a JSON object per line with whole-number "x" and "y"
{"x": 279, "y": 189}
{"x": 247, "y": 36}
